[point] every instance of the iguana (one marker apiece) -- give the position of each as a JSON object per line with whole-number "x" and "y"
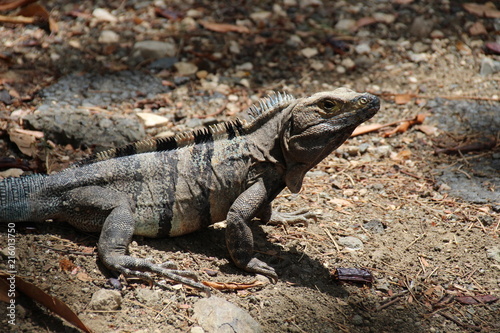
{"x": 173, "y": 186}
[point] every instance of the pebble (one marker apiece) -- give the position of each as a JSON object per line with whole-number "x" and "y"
{"x": 149, "y": 296}
{"x": 261, "y": 17}
{"x": 106, "y": 300}
{"x": 152, "y": 120}
{"x": 196, "y": 329}
{"x": 163, "y": 63}
{"x": 294, "y": 41}
{"x": 374, "y": 226}
{"x": 152, "y": 49}
{"x": 309, "y": 52}
{"x": 108, "y": 36}
{"x": 493, "y": 253}
{"x": 348, "y": 63}
{"x": 489, "y": 66}
{"x": 345, "y": 24}
{"x": 351, "y": 243}
{"x": 363, "y": 48}
{"x": 421, "y": 27}
{"x": 357, "y": 320}
{"x": 186, "y": 68}
{"x": 103, "y": 15}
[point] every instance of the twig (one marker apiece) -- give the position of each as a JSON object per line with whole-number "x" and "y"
{"x": 458, "y": 322}
{"x": 337, "y": 247}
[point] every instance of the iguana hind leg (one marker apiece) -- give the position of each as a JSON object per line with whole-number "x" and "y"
{"x": 116, "y": 234}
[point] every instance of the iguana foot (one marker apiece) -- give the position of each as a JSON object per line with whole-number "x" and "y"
{"x": 257, "y": 266}
{"x": 298, "y": 216}
{"x": 140, "y": 268}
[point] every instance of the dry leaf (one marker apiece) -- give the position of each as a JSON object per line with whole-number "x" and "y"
{"x": 477, "y": 29}
{"x": 66, "y": 265}
{"x": 402, "y": 2}
{"x": 224, "y": 27}
{"x": 232, "y": 285}
{"x": 483, "y": 10}
{"x": 403, "y": 98}
{"x": 38, "y": 11}
{"x": 15, "y": 4}
{"x": 25, "y": 140}
{"x": 363, "y": 21}
{"x": 50, "y": 302}
{"x": 341, "y": 202}
{"x": 405, "y": 125}
{"x": 363, "y": 129}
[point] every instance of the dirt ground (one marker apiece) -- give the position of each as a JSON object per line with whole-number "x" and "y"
{"x": 425, "y": 245}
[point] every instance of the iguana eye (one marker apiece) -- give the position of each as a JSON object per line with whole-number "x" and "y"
{"x": 363, "y": 100}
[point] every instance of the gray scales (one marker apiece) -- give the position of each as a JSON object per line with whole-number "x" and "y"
{"x": 170, "y": 187}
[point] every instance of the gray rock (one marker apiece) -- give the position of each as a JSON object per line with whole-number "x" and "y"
{"x": 493, "y": 253}
{"x": 374, "y": 226}
{"x": 106, "y": 300}
{"x": 216, "y": 315}
{"x": 79, "y": 127}
{"x": 489, "y": 66}
{"x": 351, "y": 243}
{"x": 149, "y": 296}
{"x": 357, "y": 320}
{"x": 152, "y": 49}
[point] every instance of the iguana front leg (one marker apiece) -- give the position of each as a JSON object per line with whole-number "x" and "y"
{"x": 239, "y": 238}
{"x": 117, "y": 232}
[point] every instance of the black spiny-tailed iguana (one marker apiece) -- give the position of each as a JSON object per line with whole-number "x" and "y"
{"x": 170, "y": 187}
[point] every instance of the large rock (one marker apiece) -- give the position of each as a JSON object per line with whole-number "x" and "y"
{"x": 216, "y": 315}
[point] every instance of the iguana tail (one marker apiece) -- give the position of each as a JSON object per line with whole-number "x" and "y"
{"x": 14, "y": 197}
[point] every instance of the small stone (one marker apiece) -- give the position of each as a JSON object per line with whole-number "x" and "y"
{"x": 247, "y": 66}
{"x": 202, "y": 74}
{"x": 261, "y": 17}
{"x": 163, "y": 63}
{"x": 196, "y": 329}
{"x": 421, "y": 27}
{"x": 419, "y": 47}
{"x": 419, "y": 57}
{"x": 106, "y": 300}
{"x": 351, "y": 243}
{"x": 348, "y": 63}
{"x": 357, "y": 320}
{"x": 309, "y": 52}
{"x": 234, "y": 47}
{"x": 194, "y": 122}
{"x": 363, "y": 48}
{"x": 149, "y": 296}
{"x": 108, "y": 36}
{"x": 363, "y": 148}
{"x": 374, "y": 226}
{"x": 384, "y": 18}
{"x": 317, "y": 65}
{"x": 189, "y": 24}
{"x": 345, "y": 24}
{"x": 437, "y": 34}
{"x": 194, "y": 13}
{"x": 152, "y": 49}
{"x": 186, "y": 68}
{"x": 103, "y": 15}
{"x": 152, "y": 120}
{"x": 294, "y": 41}
{"x": 493, "y": 253}
{"x": 489, "y": 66}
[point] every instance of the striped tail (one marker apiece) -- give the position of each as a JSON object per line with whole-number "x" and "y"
{"x": 14, "y": 197}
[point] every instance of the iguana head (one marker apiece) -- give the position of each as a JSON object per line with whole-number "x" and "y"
{"x": 318, "y": 125}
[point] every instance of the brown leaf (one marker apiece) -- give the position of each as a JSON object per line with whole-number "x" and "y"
{"x": 66, "y": 265}
{"x": 363, "y": 129}
{"x": 402, "y": 2}
{"x": 38, "y": 11}
{"x": 479, "y": 299}
{"x": 403, "y": 98}
{"x": 492, "y": 47}
{"x": 405, "y": 125}
{"x": 232, "y": 285}
{"x": 25, "y": 140}
{"x": 15, "y": 4}
{"x": 52, "y": 303}
{"x": 224, "y": 27}
{"x": 363, "y": 21}
{"x": 477, "y": 29}
{"x": 483, "y": 10}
